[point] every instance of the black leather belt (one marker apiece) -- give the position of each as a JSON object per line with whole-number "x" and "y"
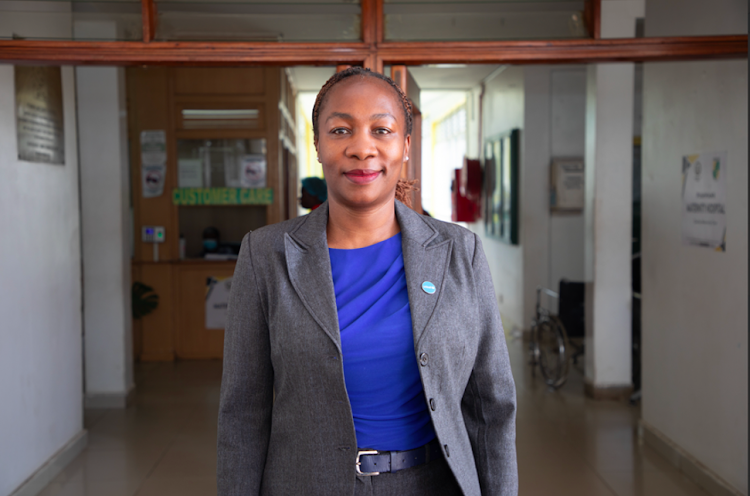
{"x": 373, "y": 462}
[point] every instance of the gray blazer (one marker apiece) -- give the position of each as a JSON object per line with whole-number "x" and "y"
{"x": 282, "y": 337}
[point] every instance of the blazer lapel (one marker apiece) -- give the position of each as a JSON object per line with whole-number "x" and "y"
{"x": 309, "y": 267}
{"x": 423, "y": 262}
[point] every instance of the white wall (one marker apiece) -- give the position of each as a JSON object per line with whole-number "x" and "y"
{"x": 608, "y": 224}
{"x": 40, "y": 344}
{"x": 694, "y": 314}
{"x": 548, "y": 104}
{"x": 695, "y": 300}
{"x": 503, "y": 110}
{"x": 534, "y": 194}
{"x": 567, "y": 139}
{"x": 105, "y": 207}
{"x": 610, "y": 89}
{"x": 40, "y": 309}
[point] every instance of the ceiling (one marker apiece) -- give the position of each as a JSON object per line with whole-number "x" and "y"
{"x": 309, "y": 78}
{"x": 450, "y": 76}
{"x": 437, "y": 77}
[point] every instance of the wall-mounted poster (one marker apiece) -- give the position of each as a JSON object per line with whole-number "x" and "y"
{"x": 39, "y": 114}
{"x": 567, "y": 184}
{"x": 153, "y": 163}
{"x": 190, "y": 173}
{"x": 253, "y": 171}
{"x": 217, "y": 301}
{"x": 501, "y": 159}
{"x": 704, "y": 197}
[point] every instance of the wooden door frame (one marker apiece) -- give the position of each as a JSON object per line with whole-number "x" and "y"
{"x": 373, "y": 51}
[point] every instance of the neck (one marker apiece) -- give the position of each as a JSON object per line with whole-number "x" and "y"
{"x": 349, "y": 229}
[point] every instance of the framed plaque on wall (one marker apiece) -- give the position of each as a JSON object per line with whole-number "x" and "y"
{"x": 39, "y": 114}
{"x": 567, "y": 184}
{"x": 500, "y": 198}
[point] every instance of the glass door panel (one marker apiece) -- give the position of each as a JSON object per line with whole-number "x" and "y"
{"x": 414, "y": 20}
{"x": 283, "y": 20}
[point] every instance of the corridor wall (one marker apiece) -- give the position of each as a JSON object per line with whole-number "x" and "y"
{"x": 548, "y": 104}
{"x": 695, "y": 300}
{"x": 694, "y": 307}
{"x": 106, "y": 227}
{"x": 40, "y": 343}
{"x": 41, "y": 417}
{"x": 503, "y": 110}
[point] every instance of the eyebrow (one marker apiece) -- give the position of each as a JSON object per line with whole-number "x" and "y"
{"x": 373, "y": 117}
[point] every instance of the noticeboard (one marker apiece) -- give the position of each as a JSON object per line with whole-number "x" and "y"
{"x": 39, "y": 114}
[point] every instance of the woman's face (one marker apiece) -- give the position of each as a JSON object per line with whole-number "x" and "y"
{"x": 362, "y": 142}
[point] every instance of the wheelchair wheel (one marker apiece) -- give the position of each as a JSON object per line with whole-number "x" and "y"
{"x": 552, "y": 352}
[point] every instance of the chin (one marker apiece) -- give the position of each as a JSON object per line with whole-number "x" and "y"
{"x": 363, "y": 201}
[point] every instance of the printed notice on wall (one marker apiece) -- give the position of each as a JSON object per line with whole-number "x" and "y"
{"x": 190, "y": 173}
{"x": 153, "y": 163}
{"x": 567, "y": 184}
{"x": 704, "y": 192}
{"x": 39, "y": 114}
{"x": 217, "y": 301}
{"x": 253, "y": 171}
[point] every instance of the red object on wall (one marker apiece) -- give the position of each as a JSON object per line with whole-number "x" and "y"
{"x": 464, "y": 209}
{"x": 471, "y": 180}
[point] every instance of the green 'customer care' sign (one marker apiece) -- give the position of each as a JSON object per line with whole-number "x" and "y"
{"x": 222, "y": 196}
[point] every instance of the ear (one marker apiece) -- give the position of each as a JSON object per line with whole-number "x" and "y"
{"x": 407, "y": 146}
{"x": 315, "y": 143}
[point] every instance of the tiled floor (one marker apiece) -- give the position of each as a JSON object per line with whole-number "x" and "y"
{"x": 165, "y": 445}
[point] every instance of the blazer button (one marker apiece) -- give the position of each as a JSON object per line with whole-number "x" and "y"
{"x": 423, "y": 359}
{"x": 432, "y": 404}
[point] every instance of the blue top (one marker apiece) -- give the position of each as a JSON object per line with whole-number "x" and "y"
{"x": 380, "y": 366}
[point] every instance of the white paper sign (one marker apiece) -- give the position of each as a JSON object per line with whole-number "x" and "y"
{"x": 253, "y": 171}
{"x": 153, "y": 163}
{"x": 190, "y": 173}
{"x": 704, "y": 192}
{"x": 217, "y": 300}
{"x": 567, "y": 184}
{"x": 152, "y": 180}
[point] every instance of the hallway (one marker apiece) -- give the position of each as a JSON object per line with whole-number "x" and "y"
{"x": 165, "y": 445}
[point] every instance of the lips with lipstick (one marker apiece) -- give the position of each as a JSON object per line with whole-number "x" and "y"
{"x": 362, "y": 176}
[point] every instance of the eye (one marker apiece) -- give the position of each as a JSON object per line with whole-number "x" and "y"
{"x": 339, "y": 130}
{"x": 382, "y": 130}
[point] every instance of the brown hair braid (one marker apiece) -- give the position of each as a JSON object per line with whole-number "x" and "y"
{"x": 404, "y": 187}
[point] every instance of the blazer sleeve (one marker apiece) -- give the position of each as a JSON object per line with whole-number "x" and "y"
{"x": 246, "y": 386}
{"x": 489, "y": 402}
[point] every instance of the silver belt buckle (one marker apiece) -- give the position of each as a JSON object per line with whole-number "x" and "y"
{"x": 357, "y": 465}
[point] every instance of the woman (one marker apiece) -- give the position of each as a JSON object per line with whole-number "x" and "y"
{"x": 364, "y": 352}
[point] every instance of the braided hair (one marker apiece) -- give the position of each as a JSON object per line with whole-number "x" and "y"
{"x": 404, "y": 187}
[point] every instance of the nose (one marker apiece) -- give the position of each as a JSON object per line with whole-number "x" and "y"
{"x": 362, "y": 146}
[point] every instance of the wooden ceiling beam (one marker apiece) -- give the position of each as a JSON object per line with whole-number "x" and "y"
{"x": 408, "y": 53}
{"x": 566, "y": 51}
{"x": 126, "y": 53}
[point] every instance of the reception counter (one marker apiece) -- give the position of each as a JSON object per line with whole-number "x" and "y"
{"x": 177, "y": 328}
{"x": 211, "y": 149}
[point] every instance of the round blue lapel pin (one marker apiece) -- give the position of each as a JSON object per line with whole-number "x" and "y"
{"x": 428, "y": 287}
